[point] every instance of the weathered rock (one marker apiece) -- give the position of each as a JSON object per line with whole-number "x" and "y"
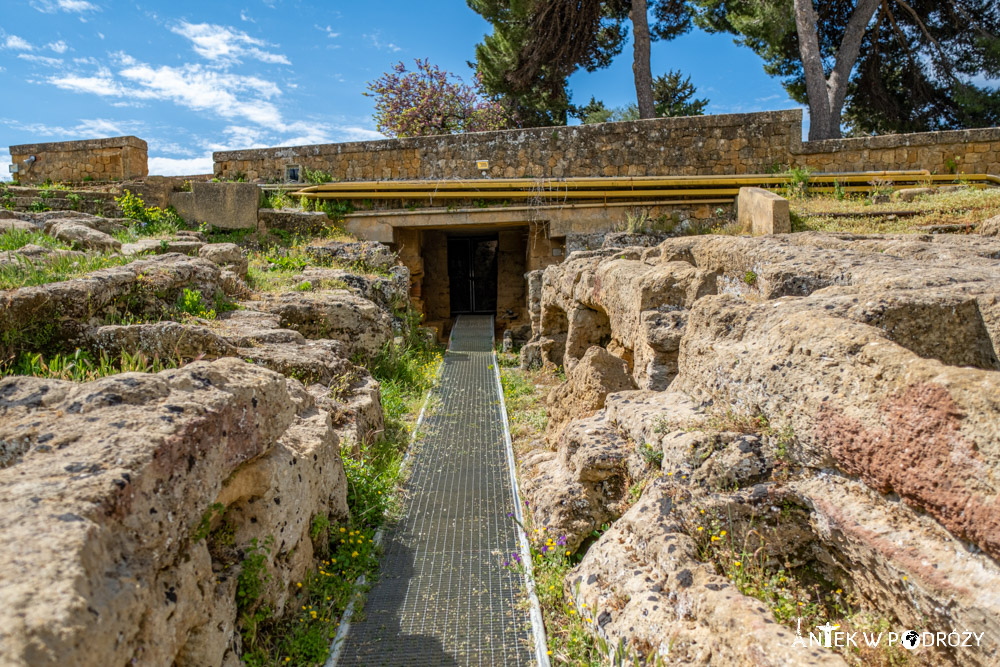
{"x": 108, "y": 483}
{"x": 867, "y": 365}
{"x": 574, "y": 490}
{"x": 761, "y": 211}
{"x": 361, "y": 326}
{"x": 597, "y": 374}
{"x": 142, "y": 246}
{"x": 293, "y": 220}
{"x": 355, "y": 405}
{"x": 9, "y": 225}
{"x": 990, "y": 227}
{"x": 75, "y": 234}
{"x": 56, "y": 312}
{"x": 249, "y": 328}
{"x": 162, "y": 340}
{"x": 643, "y": 586}
{"x": 363, "y": 253}
{"x": 47, "y": 219}
{"x": 392, "y": 293}
{"x": 909, "y": 194}
{"x": 226, "y": 254}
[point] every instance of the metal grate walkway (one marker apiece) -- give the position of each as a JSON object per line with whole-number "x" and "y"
{"x": 443, "y": 596}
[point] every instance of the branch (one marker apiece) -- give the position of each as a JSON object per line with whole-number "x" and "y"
{"x": 847, "y": 54}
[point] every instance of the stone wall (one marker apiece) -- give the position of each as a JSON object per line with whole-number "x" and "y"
{"x": 722, "y": 144}
{"x": 113, "y": 159}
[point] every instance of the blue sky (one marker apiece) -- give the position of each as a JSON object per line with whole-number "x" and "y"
{"x": 194, "y": 77}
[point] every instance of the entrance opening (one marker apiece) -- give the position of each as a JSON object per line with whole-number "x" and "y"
{"x": 472, "y": 274}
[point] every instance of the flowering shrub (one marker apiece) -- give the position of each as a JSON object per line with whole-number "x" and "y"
{"x": 432, "y": 101}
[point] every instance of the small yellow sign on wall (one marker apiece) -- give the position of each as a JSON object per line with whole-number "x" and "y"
{"x": 482, "y": 165}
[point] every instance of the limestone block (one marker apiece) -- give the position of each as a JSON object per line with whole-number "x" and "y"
{"x": 763, "y": 212}
{"x": 224, "y": 205}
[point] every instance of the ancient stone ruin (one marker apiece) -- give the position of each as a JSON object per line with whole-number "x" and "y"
{"x": 832, "y": 400}
{"x": 745, "y": 431}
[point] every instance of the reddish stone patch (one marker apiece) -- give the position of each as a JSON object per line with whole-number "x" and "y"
{"x": 921, "y": 455}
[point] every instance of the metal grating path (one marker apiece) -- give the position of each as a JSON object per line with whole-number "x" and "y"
{"x": 443, "y": 596}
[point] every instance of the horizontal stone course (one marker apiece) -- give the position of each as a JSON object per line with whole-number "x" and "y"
{"x": 702, "y": 145}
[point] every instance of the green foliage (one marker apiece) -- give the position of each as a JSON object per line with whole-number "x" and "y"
{"x": 750, "y": 278}
{"x": 674, "y": 96}
{"x": 317, "y": 176}
{"x": 651, "y": 455}
{"x": 913, "y": 70}
{"x": 147, "y": 220}
{"x": 596, "y": 112}
{"x": 798, "y": 181}
{"x": 6, "y": 197}
{"x": 38, "y": 207}
{"x": 276, "y": 199}
{"x": 254, "y": 575}
{"x": 205, "y": 525}
{"x": 192, "y": 303}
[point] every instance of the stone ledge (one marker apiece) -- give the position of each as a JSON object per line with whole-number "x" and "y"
{"x": 899, "y": 141}
{"x": 83, "y": 145}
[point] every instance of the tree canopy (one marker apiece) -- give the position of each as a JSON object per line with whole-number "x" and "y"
{"x": 430, "y": 100}
{"x": 919, "y": 64}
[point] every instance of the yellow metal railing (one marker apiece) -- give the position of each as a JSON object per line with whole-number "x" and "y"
{"x": 681, "y": 188}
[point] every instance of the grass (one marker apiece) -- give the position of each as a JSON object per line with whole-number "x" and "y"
{"x": 524, "y": 393}
{"x": 16, "y": 239}
{"x": 302, "y": 637}
{"x": 80, "y": 366}
{"x": 570, "y": 641}
{"x": 25, "y": 272}
{"x": 966, "y": 206}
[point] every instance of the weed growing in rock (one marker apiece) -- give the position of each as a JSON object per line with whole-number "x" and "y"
{"x": 798, "y": 182}
{"x": 146, "y": 220}
{"x": 276, "y": 199}
{"x": 190, "y": 302}
{"x": 6, "y": 197}
{"x": 651, "y": 455}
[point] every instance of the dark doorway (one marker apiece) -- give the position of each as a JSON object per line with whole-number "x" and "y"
{"x": 472, "y": 274}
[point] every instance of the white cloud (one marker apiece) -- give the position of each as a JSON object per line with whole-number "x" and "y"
{"x": 220, "y": 43}
{"x": 103, "y": 83}
{"x": 58, "y": 47}
{"x": 167, "y": 166}
{"x": 328, "y": 30}
{"x": 5, "y": 160}
{"x": 73, "y": 6}
{"x": 17, "y": 43}
{"x": 203, "y": 89}
{"x": 42, "y": 60}
{"x": 246, "y": 17}
{"x": 88, "y": 128}
{"x": 376, "y": 40}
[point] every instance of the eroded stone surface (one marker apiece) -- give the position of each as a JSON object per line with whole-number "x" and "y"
{"x": 101, "y": 503}
{"x": 865, "y": 372}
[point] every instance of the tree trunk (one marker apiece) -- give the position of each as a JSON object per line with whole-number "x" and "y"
{"x": 640, "y": 60}
{"x": 826, "y": 96}
{"x": 847, "y": 57}
{"x": 812, "y": 67}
